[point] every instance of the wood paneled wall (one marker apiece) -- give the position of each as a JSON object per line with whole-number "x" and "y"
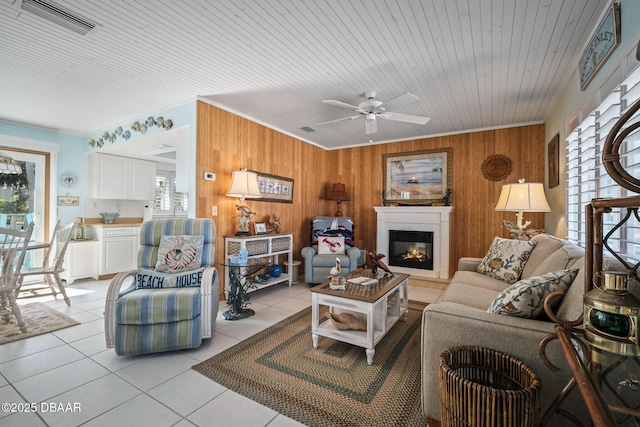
{"x": 226, "y": 142}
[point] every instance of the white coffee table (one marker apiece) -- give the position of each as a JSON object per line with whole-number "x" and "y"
{"x": 383, "y": 304}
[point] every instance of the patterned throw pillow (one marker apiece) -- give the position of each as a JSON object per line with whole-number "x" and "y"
{"x": 152, "y": 279}
{"x": 526, "y": 297}
{"x": 330, "y": 245}
{"x": 179, "y": 253}
{"x": 506, "y": 259}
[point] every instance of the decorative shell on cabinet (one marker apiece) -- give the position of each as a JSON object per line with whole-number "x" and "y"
{"x": 496, "y": 167}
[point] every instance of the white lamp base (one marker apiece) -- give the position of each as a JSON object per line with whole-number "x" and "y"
{"x": 519, "y": 230}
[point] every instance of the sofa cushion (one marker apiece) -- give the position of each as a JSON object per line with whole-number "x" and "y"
{"x": 561, "y": 259}
{"x": 470, "y": 295}
{"x": 545, "y": 246}
{"x": 506, "y": 259}
{"x": 525, "y": 298}
{"x": 150, "y": 306}
{"x": 571, "y": 307}
{"x": 180, "y": 253}
{"x": 151, "y": 279}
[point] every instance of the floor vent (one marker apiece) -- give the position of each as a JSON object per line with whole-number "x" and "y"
{"x": 59, "y": 15}
{"x": 308, "y": 129}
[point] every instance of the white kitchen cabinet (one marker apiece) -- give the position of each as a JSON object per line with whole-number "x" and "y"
{"x": 121, "y": 178}
{"x": 118, "y": 248}
{"x": 81, "y": 260}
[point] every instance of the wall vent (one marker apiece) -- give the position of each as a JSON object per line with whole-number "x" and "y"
{"x": 308, "y": 129}
{"x": 59, "y": 15}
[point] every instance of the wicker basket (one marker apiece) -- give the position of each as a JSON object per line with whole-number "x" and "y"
{"x": 483, "y": 387}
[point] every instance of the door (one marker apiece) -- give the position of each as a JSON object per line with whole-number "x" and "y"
{"x": 22, "y": 195}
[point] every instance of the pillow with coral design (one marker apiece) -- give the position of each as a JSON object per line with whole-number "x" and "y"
{"x": 525, "y": 298}
{"x": 506, "y": 259}
{"x": 180, "y": 253}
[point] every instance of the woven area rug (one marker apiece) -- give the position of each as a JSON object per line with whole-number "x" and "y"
{"x": 331, "y": 385}
{"x": 39, "y": 318}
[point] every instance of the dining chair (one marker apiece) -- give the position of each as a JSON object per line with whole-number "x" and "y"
{"x": 13, "y": 247}
{"x": 51, "y": 267}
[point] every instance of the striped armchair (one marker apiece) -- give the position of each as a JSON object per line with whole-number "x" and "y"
{"x": 143, "y": 319}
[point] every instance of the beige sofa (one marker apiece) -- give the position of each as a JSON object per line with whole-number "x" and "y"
{"x": 460, "y": 317}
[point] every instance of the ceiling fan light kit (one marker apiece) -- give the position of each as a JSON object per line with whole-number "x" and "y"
{"x": 371, "y": 109}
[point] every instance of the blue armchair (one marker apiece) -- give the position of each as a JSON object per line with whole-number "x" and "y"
{"x": 318, "y": 265}
{"x": 160, "y": 310}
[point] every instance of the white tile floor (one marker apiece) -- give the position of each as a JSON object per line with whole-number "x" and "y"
{"x": 72, "y": 368}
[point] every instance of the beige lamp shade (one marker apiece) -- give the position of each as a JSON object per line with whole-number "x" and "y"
{"x": 244, "y": 185}
{"x": 523, "y": 197}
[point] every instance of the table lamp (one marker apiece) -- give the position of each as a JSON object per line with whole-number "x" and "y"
{"x": 339, "y": 193}
{"x": 244, "y": 185}
{"x": 522, "y": 197}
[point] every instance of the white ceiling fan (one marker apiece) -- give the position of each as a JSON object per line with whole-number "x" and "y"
{"x": 371, "y": 109}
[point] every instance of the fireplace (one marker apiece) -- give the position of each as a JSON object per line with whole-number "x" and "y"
{"x": 430, "y": 219}
{"x": 411, "y": 249}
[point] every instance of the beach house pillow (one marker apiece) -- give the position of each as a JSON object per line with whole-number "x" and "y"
{"x": 179, "y": 253}
{"x": 526, "y": 297}
{"x": 152, "y": 279}
{"x": 506, "y": 259}
{"x": 331, "y": 245}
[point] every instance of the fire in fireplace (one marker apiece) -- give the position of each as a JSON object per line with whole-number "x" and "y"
{"x": 411, "y": 249}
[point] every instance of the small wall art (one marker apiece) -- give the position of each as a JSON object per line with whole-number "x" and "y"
{"x": 68, "y": 200}
{"x": 275, "y": 188}
{"x": 553, "y": 155}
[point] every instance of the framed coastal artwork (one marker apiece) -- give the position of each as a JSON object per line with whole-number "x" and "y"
{"x": 275, "y": 188}
{"x": 417, "y": 177}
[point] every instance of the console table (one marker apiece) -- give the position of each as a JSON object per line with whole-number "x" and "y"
{"x": 263, "y": 249}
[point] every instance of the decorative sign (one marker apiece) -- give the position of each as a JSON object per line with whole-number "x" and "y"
{"x": 68, "y": 200}
{"x": 601, "y": 45}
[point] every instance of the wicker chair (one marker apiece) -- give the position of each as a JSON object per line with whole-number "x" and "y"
{"x": 143, "y": 319}
{"x": 13, "y": 247}
{"x": 51, "y": 268}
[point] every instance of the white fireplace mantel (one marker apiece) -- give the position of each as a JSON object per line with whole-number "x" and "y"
{"x": 435, "y": 219}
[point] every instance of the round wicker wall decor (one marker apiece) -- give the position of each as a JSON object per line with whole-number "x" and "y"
{"x": 496, "y": 167}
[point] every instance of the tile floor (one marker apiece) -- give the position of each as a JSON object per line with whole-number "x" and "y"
{"x": 74, "y": 380}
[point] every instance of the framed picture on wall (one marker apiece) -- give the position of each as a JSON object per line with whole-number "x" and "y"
{"x": 553, "y": 155}
{"x": 275, "y": 188}
{"x": 417, "y": 176}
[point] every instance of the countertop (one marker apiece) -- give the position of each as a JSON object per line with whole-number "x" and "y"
{"x": 120, "y": 222}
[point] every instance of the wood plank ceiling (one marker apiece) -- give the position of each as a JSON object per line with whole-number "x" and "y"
{"x": 474, "y": 64}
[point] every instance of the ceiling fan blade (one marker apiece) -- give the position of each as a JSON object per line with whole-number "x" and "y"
{"x": 343, "y": 105}
{"x": 408, "y": 118}
{"x": 371, "y": 126}
{"x": 405, "y": 98}
{"x": 338, "y": 120}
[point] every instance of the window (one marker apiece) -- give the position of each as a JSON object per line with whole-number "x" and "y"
{"x": 587, "y": 177}
{"x": 168, "y": 201}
